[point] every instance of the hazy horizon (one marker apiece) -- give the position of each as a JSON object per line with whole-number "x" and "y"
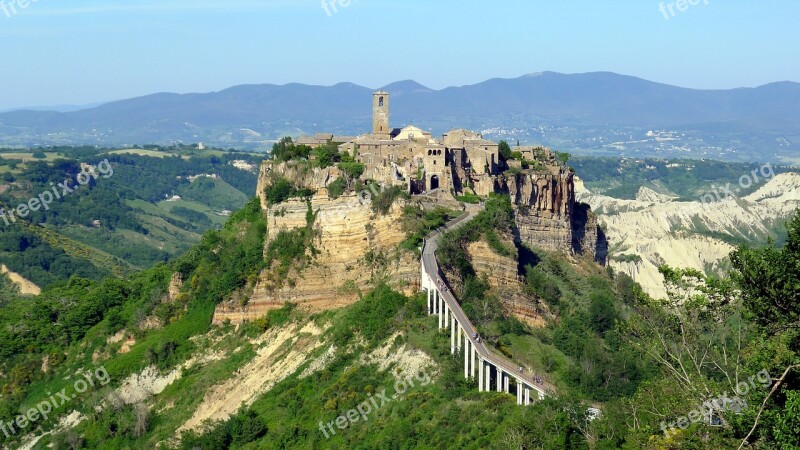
{"x": 90, "y": 52}
{"x": 78, "y": 107}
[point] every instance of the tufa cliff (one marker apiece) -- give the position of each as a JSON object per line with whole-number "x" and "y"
{"x": 547, "y": 214}
{"x": 352, "y": 247}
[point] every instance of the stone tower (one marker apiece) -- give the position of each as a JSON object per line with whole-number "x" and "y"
{"x": 380, "y": 113}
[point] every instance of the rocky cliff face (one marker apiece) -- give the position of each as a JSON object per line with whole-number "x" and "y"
{"x": 354, "y": 247}
{"x": 298, "y": 173}
{"x": 548, "y": 216}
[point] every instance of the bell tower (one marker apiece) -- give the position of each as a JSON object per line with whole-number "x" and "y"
{"x": 380, "y": 113}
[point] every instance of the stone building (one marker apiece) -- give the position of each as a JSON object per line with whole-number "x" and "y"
{"x": 413, "y": 158}
{"x": 540, "y": 186}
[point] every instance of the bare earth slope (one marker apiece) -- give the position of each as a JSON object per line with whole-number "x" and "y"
{"x": 661, "y": 230}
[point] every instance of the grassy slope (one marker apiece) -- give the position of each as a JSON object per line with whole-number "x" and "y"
{"x": 167, "y": 234}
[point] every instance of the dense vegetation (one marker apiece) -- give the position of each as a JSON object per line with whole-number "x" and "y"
{"x": 651, "y": 361}
{"x": 121, "y": 215}
{"x": 50, "y": 327}
{"x": 418, "y": 223}
{"x": 603, "y": 343}
{"x": 37, "y": 260}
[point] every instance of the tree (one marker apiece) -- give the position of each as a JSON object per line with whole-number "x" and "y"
{"x": 602, "y": 312}
{"x": 327, "y": 155}
{"x": 696, "y": 335}
{"x": 351, "y": 171}
{"x": 770, "y": 281}
{"x": 505, "y": 151}
{"x": 337, "y": 187}
{"x": 286, "y": 150}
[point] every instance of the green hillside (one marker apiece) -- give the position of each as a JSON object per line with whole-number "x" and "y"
{"x": 120, "y": 221}
{"x": 607, "y": 345}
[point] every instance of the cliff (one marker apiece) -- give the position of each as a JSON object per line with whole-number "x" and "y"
{"x": 502, "y": 273}
{"x": 547, "y": 214}
{"x": 354, "y": 247}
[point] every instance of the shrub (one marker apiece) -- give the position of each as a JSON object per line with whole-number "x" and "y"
{"x": 337, "y": 187}
{"x": 371, "y": 317}
{"x": 282, "y": 189}
{"x": 382, "y": 203}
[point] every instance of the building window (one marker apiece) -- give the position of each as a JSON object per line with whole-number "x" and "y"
{"x": 380, "y": 101}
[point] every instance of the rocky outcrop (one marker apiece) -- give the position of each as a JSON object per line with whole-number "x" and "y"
{"x": 297, "y": 172}
{"x": 502, "y": 273}
{"x": 175, "y": 285}
{"x": 588, "y": 238}
{"x": 548, "y": 216}
{"x": 354, "y": 247}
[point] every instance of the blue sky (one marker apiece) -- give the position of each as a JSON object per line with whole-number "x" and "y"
{"x": 83, "y": 51}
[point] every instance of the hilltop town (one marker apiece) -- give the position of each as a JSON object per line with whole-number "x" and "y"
{"x": 462, "y": 162}
{"x": 347, "y": 235}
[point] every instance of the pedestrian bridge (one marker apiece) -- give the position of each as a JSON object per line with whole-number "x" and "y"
{"x": 493, "y": 371}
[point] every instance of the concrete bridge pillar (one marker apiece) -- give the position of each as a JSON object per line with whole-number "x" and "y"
{"x": 472, "y": 372}
{"x": 453, "y": 332}
{"x": 488, "y": 386}
{"x": 499, "y": 379}
{"x": 519, "y": 393}
{"x": 480, "y": 374}
{"x": 428, "y": 291}
{"x": 527, "y": 396}
{"x": 439, "y": 308}
{"x": 466, "y": 360}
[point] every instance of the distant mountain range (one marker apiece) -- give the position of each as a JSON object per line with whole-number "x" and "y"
{"x": 599, "y": 112}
